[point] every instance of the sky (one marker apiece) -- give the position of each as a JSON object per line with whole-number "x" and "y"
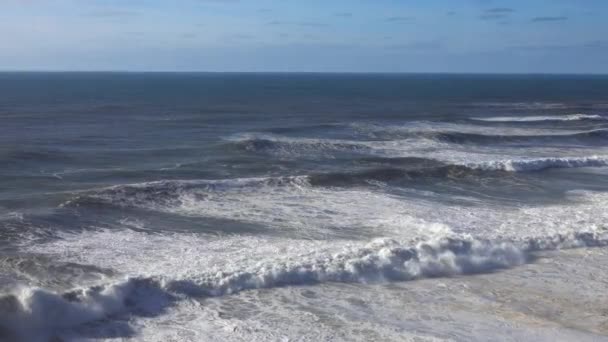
{"x": 485, "y": 36}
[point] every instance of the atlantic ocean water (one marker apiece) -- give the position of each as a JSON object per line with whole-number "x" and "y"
{"x": 303, "y": 207}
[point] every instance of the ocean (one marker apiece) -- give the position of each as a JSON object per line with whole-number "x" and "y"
{"x": 303, "y": 207}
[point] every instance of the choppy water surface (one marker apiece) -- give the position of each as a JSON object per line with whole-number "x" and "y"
{"x": 195, "y": 207}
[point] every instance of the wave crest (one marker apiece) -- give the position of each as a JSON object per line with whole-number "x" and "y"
{"x": 161, "y": 195}
{"x": 382, "y": 260}
{"x": 539, "y": 164}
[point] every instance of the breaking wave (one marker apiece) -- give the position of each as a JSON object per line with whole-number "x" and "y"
{"x": 539, "y": 164}
{"x": 27, "y": 309}
{"x": 170, "y": 192}
{"x": 406, "y": 141}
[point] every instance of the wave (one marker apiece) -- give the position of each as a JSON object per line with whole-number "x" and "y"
{"x": 571, "y": 117}
{"x": 599, "y": 135}
{"x": 172, "y": 193}
{"x": 167, "y": 192}
{"x": 25, "y": 312}
{"x": 263, "y": 143}
{"x": 389, "y": 174}
{"x": 26, "y": 154}
{"x": 404, "y": 141}
{"x": 539, "y": 164}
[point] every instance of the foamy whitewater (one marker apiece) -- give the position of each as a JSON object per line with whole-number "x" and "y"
{"x": 310, "y": 211}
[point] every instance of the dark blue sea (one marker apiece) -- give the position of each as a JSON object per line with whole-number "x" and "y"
{"x": 303, "y": 207}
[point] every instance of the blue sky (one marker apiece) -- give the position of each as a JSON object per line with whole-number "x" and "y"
{"x": 547, "y": 36}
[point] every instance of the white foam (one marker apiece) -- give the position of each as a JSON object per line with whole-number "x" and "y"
{"x": 477, "y": 156}
{"x": 538, "y": 164}
{"x": 288, "y": 203}
{"x": 421, "y": 127}
{"x": 164, "y": 267}
{"x": 186, "y": 255}
{"x": 10, "y": 215}
{"x": 381, "y": 260}
{"x": 570, "y": 117}
{"x": 36, "y": 314}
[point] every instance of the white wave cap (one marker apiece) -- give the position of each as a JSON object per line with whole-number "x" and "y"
{"x": 538, "y": 164}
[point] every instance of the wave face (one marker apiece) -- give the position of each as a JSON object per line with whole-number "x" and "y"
{"x": 167, "y": 192}
{"x": 379, "y": 261}
{"x": 594, "y": 136}
{"x": 296, "y": 147}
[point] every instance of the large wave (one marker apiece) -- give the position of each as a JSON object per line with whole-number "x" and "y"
{"x": 25, "y": 313}
{"x": 167, "y": 192}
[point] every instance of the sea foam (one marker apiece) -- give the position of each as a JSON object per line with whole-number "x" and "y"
{"x": 382, "y": 260}
{"x": 538, "y": 164}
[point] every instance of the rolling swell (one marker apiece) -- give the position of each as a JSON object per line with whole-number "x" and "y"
{"x": 24, "y": 154}
{"x": 548, "y": 118}
{"x": 594, "y": 136}
{"x": 284, "y": 145}
{"x": 321, "y": 147}
{"x": 382, "y": 260}
{"x": 171, "y": 193}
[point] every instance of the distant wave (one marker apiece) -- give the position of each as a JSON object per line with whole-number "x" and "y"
{"x": 571, "y": 117}
{"x": 20, "y": 154}
{"x": 402, "y": 140}
{"x": 26, "y": 311}
{"x": 522, "y": 105}
{"x": 171, "y": 193}
{"x": 598, "y": 135}
{"x": 538, "y": 164}
{"x": 290, "y": 146}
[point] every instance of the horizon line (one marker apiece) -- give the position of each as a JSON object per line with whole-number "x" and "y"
{"x": 32, "y": 71}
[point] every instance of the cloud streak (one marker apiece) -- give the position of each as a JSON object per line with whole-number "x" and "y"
{"x": 430, "y": 45}
{"x": 596, "y": 45}
{"x": 299, "y": 23}
{"x": 502, "y": 10}
{"x": 112, "y": 13}
{"x": 343, "y": 14}
{"x": 399, "y": 19}
{"x": 496, "y": 13}
{"x": 548, "y": 19}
